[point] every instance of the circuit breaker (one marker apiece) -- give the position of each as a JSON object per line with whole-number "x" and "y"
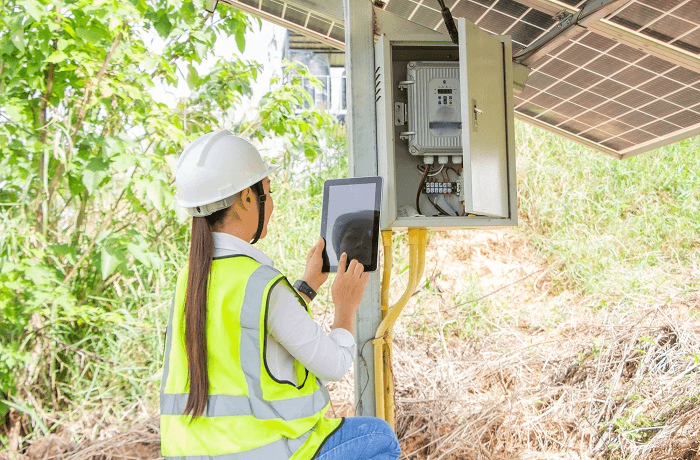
{"x": 445, "y": 130}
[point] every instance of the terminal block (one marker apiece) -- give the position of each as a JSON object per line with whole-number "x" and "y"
{"x": 433, "y": 189}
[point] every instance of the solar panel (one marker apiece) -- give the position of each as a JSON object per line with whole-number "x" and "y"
{"x": 499, "y": 17}
{"x": 674, "y": 22}
{"x": 609, "y": 94}
{"x": 593, "y": 87}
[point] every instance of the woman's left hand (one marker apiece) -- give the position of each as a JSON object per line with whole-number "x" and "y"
{"x": 313, "y": 275}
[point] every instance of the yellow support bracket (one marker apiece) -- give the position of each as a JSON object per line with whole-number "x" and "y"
{"x": 383, "y": 376}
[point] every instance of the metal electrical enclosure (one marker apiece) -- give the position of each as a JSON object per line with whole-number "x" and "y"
{"x": 455, "y": 162}
{"x": 434, "y": 116}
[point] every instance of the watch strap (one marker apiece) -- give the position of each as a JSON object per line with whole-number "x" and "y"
{"x": 303, "y": 287}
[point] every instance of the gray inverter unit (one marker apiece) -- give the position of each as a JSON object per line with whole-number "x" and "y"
{"x": 434, "y": 108}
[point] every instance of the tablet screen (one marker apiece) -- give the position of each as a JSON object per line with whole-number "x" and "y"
{"x": 350, "y": 221}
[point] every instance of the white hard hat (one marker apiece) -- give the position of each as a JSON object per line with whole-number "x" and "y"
{"x": 215, "y": 167}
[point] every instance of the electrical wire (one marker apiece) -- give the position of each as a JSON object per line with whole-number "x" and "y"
{"x": 440, "y": 211}
{"x": 420, "y": 186}
{"x": 449, "y": 22}
{"x": 444, "y": 197}
{"x": 437, "y": 172}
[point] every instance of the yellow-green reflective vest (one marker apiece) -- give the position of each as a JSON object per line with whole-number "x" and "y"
{"x": 250, "y": 415}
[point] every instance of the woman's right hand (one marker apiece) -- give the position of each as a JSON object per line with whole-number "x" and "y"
{"x": 347, "y": 291}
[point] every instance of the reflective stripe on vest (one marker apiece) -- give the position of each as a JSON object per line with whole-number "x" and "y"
{"x": 276, "y": 450}
{"x": 221, "y": 405}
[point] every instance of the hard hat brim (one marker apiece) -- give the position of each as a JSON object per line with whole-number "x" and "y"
{"x": 191, "y": 205}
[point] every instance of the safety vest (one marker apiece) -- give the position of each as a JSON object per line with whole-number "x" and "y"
{"x": 250, "y": 414}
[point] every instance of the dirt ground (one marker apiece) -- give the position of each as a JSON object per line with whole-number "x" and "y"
{"x": 532, "y": 373}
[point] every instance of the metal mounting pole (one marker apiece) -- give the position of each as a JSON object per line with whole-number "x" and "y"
{"x": 362, "y": 133}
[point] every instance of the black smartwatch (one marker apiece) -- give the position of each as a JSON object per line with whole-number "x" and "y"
{"x": 303, "y": 287}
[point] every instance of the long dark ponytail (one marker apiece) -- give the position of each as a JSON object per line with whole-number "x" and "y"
{"x": 201, "y": 255}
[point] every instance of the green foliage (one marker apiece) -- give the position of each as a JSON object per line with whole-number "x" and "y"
{"x": 289, "y": 112}
{"x": 90, "y": 237}
{"x": 615, "y": 231}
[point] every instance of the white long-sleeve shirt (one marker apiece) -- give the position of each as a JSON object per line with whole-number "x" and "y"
{"x": 292, "y": 333}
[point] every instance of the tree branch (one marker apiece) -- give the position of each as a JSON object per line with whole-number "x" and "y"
{"x": 89, "y": 91}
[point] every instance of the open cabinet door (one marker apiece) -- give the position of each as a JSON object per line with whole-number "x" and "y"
{"x": 485, "y": 130}
{"x": 383, "y": 94}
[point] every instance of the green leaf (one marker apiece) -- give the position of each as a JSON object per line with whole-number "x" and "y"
{"x": 33, "y": 8}
{"x": 57, "y": 56}
{"x": 89, "y": 35}
{"x": 240, "y": 39}
{"x": 18, "y": 39}
{"x": 108, "y": 263}
{"x": 3, "y": 409}
{"x": 139, "y": 252}
{"x": 163, "y": 26}
{"x": 93, "y": 175}
{"x": 154, "y": 192}
{"x": 193, "y": 80}
{"x": 75, "y": 185}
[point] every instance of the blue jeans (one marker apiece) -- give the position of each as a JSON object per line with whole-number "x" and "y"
{"x": 361, "y": 438}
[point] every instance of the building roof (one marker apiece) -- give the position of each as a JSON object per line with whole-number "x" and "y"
{"x": 623, "y": 84}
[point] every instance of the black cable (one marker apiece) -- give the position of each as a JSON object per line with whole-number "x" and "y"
{"x": 449, "y": 22}
{"x": 420, "y": 186}
{"x": 440, "y": 211}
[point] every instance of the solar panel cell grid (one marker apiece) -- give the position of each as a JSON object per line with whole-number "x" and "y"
{"x": 272, "y": 7}
{"x": 664, "y": 5}
{"x": 296, "y": 16}
{"x": 684, "y": 119}
{"x": 588, "y": 99}
{"x": 511, "y": 8}
{"x": 318, "y": 25}
{"x": 569, "y": 109}
{"x": 660, "y": 86}
{"x": 470, "y": 10}
{"x": 676, "y": 22}
{"x": 636, "y": 16}
{"x": 606, "y": 65}
{"x": 496, "y": 22}
{"x": 683, "y": 75}
{"x": 689, "y": 11}
{"x": 426, "y": 16}
{"x": 609, "y": 88}
{"x": 668, "y": 28}
{"x": 564, "y": 90}
{"x": 634, "y": 100}
{"x": 401, "y": 8}
{"x": 574, "y": 127}
{"x": 661, "y": 128}
{"x": 655, "y": 64}
{"x": 687, "y": 97}
{"x": 689, "y": 42}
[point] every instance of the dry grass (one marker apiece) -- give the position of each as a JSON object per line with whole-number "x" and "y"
{"x": 543, "y": 376}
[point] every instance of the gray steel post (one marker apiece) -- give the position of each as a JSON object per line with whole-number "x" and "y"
{"x": 362, "y": 132}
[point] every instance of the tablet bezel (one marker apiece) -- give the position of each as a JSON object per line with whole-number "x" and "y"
{"x": 377, "y": 181}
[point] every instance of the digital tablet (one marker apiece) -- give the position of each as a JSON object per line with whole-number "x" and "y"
{"x": 350, "y": 221}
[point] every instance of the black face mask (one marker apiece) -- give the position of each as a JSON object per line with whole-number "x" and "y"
{"x": 260, "y": 192}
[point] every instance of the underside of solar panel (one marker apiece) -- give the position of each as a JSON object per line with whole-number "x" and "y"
{"x": 625, "y": 84}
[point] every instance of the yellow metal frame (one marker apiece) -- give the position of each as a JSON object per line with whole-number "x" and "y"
{"x": 383, "y": 374}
